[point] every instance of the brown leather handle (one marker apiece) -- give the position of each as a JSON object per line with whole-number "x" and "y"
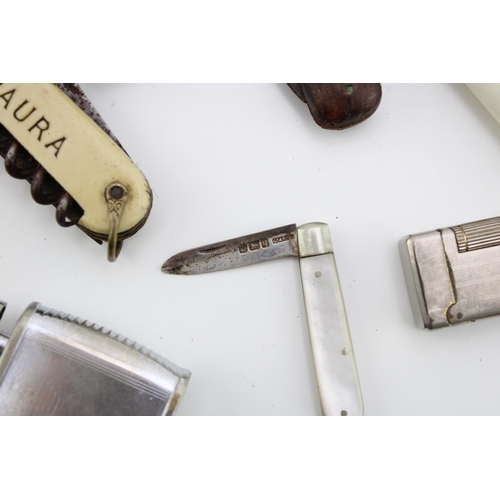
{"x": 336, "y": 106}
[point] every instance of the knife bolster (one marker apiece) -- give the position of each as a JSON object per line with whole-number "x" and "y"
{"x": 314, "y": 239}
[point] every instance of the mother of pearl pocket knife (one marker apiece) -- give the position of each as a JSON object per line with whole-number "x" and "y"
{"x": 453, "y": 274}
{"x": 335, "y": 366}
{"x": 52, "y": 136}
{"x": 57, "y": 364}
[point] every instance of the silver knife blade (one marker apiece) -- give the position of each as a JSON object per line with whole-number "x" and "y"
{"x": 237, "y": 252}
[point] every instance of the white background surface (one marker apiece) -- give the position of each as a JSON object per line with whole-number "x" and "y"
{"x": 228, "y": 160}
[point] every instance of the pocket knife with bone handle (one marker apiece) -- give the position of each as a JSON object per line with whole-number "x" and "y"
{"x": 52, "y": 136}
{"x": 453, "y": 274}
{"x": 335, "y": 366}
{"x": 56, "y": 364}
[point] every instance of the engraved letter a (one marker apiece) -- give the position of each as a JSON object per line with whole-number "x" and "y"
{"x": 57, "y": 145}
{"x": 26, "y": 116}
{"x": 9, "y": 93}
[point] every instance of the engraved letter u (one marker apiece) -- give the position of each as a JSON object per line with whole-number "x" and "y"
{"x": 26, "y": 116}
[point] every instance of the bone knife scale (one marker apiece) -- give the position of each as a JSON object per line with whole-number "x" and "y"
{"x": 335, "y": 365}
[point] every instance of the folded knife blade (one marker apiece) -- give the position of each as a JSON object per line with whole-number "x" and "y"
{"x": 335, "y": 365}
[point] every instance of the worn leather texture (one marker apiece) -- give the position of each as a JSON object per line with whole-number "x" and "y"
{"x": 336, "y": 106}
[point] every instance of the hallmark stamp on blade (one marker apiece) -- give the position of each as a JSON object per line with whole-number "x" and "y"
{"x": 253, "y": 246}
{"x": 281, "y": 239}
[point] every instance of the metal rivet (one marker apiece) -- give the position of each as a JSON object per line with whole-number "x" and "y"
{"x": 116, "y": 192}
{"x": 348, "y": 89}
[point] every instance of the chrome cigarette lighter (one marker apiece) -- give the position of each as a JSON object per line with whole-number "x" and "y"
{"x": 57, "y": 364}
{"x": 453, "y": 274}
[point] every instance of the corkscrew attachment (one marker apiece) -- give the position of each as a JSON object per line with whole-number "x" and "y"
{"x": 44, "y": 188}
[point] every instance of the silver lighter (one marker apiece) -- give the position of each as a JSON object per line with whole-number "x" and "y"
{"x": 453, "y": 274}
{"x": 56, "y": 364}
